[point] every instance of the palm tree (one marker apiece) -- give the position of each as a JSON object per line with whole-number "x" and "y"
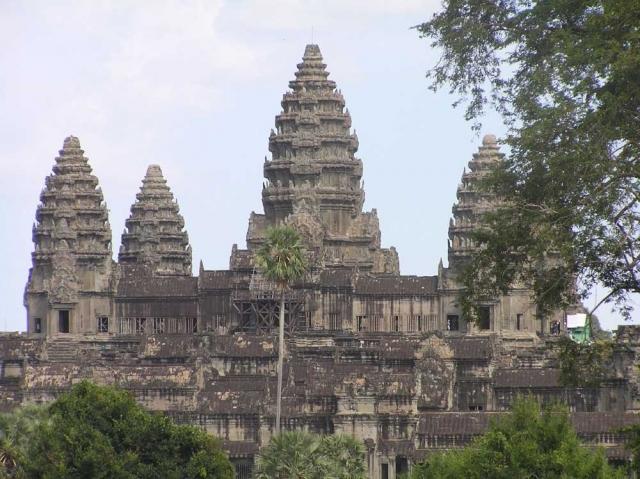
{"x": 343, "y": 457}
{"x": 303, "y": 455}
{"x": 281, "y": 259}
{"x": 291, "y": 455}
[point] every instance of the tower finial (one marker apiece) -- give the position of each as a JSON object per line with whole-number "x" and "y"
{"x": 489, "y": 140}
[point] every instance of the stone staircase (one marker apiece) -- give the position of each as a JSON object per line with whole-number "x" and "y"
{"x": 528, "y": 353}
{"x": 62, "y": 349}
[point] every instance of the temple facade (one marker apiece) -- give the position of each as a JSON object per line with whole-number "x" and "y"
{"x": 313, "y": 182}
{"x": 386, "y": 357}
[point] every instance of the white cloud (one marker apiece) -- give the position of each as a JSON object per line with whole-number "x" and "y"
{"x": 284, "y": 15}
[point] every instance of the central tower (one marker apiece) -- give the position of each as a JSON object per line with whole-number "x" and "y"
{"x": 313, "y": 181}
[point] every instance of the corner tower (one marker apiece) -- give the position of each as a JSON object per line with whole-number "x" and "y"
{"x": 472, "y": 203}
{"x": 313, "y": 180}
{"x": 154, "y": 233}
{"x": 70, "y": 280}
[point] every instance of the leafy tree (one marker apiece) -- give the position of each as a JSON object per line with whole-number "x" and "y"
{"x": 281, "y": 259}
{"x": 101, "y": 432}
{"x": 632, "y": 434}
{"x": 584, "y": 364}
{"x": 525, "y": 443}
{"x": 16, "y": 430}
{"x": 564, "y": 75}
{"x": 302, "y": 455}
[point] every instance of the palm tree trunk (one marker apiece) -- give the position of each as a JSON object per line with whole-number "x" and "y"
{"x": 280, "y": 361}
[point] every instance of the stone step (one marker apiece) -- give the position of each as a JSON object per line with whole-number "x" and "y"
{"x": 62, "y": 350}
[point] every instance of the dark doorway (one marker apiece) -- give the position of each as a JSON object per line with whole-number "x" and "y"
{"x": 243, "y": 467}
{"x": 484, "y": 317}
{"x": 402, "y": 465}
{"x": 63, "y": 321}
{"x": 385, "y": 471}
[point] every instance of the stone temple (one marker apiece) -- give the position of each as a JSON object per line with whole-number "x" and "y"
{"x": 385, "y": 357}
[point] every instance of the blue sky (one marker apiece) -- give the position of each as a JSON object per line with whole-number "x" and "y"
{"x": 194, "y": 87}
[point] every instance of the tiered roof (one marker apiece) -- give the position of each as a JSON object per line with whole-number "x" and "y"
{"x": 314, "y": 179}
{"x": 313, "y": 147}
{"x": 72, "y": 217}
{"x": 154, "y": 233}
{"x": 472, "y": 203}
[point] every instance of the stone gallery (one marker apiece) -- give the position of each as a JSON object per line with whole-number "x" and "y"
{"x": 387, "y": 358}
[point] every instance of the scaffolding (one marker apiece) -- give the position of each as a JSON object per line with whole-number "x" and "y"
{"x": 258, "y": 308}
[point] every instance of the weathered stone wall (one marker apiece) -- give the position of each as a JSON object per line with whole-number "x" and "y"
{"x": 403, "y": 395}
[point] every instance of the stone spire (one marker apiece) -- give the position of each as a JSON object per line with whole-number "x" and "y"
{"x": 472, "y": 203}
{"x": 71, "y": 277}
{"x": 72, "y": 218}
{"x": 154, "y": 233}
{"x": 313, "y": 180}
{"x": 313, "y": 150}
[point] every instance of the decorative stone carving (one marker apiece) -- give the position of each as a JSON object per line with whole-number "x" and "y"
{"x": 314, "y": 179}
{"x": 72, "y": 201}
{"x": 71, "y": 235}
{"x": 472, "y": 203}
{"x": 64, "y": 284}
{"x": 154, "y": 233}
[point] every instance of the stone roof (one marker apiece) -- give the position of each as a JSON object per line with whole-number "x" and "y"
{"x": 470, "y": 348}
{"x": 396, "y": 285}
{"x": 340, "y": 278}
{"x": 527, "y": 378}
{"x": 220, "y": 280}
{"x": 447, "y": 423}
{"x": 154, "y": 232}
{"x": 240, "y": 448}
{"x": 137, "y": 281}
{"x": 599, "y": 422}
{"x": 400, "y": 447}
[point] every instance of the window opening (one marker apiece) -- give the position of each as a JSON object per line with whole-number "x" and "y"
{"x": 103, "y": 324}
{"x": 453, "y": 322}
{"x": 140, "y": 325}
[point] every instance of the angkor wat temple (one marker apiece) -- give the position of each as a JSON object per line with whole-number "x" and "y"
{"x": 370, "y": 352}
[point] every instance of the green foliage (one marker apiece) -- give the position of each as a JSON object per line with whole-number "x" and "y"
{"x": 343, "y": 457}
{"x": 564, "y": 75}
{"x": 289, "y": 455}
{"x": 101, "y": 432}
{"x": 632, "y": 434}
{"x": 16, "y": 430}
{"x": 281, "y": 257}
{"x": 525, "y": 443}
{"x": 301, "y": 455}
{"x": 584, "y": 364}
